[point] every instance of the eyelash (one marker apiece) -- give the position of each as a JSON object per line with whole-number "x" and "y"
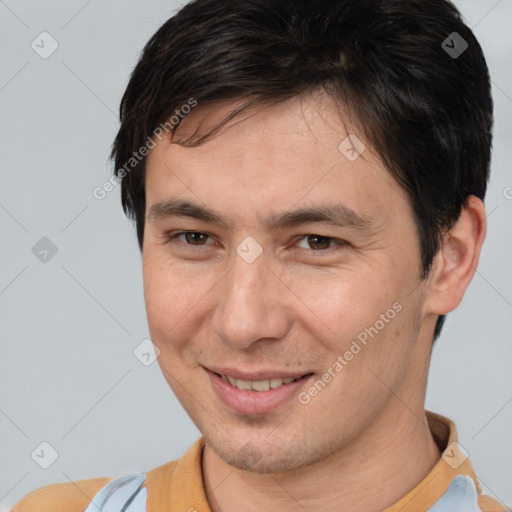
{"x": 170, "y": 239}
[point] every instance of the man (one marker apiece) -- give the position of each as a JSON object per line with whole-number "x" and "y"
{"x": 306, "y": 178}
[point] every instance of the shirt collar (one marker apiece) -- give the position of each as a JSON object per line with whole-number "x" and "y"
{"x": 453, "y": 462}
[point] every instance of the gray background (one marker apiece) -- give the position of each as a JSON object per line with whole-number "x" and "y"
{"x": 68, "y": 374}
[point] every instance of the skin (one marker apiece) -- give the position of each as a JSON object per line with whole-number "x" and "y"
{"x": 363, "y": 441}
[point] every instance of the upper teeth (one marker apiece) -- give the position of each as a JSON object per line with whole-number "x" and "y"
{"x": 257, "y": 385}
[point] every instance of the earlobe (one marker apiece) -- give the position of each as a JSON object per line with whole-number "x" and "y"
{"x": 456, "y": 262}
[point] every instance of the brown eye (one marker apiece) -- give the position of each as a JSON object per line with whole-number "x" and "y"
{"x": 194, "y": 237}
{"x": 319, "y": 242}
{"x": 188, "y": 238}
{"x": 318, "y": 245}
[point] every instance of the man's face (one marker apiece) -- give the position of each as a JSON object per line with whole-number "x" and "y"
{"x": 304, "y": 304}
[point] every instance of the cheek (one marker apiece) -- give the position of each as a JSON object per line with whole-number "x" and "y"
{"x": 360, "y": 316}
{"x": 344, "y": 303}
{"x": 168, "y": 305}
{"x": 164, "y": 296}
{"x": 174, "y": 299}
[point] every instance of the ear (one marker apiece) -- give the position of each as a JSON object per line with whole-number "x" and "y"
{"x": 455, "y": 264}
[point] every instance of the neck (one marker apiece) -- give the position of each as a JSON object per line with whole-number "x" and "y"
{"x": 378, "y": 468}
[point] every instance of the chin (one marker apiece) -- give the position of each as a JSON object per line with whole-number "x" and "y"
{"x": 265, "y": 460}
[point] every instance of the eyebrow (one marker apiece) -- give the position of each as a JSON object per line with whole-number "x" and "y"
{"x": 333, "y": 214}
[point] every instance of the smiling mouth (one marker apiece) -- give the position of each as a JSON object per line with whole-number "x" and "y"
{"x": 259, "y": 385}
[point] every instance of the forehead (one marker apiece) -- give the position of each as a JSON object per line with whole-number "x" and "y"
{"x": 297, "y": 152}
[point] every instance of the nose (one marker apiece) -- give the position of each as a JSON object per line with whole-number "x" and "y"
{"x": 253, "y": 304}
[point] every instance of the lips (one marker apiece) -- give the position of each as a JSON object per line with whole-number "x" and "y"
{"x": 257, "y": 376}
{"x": 256, "y": 401}
{"x": 257, "y": 385}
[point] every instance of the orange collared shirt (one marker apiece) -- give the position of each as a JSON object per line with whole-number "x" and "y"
{"x": 178, "y": 485}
